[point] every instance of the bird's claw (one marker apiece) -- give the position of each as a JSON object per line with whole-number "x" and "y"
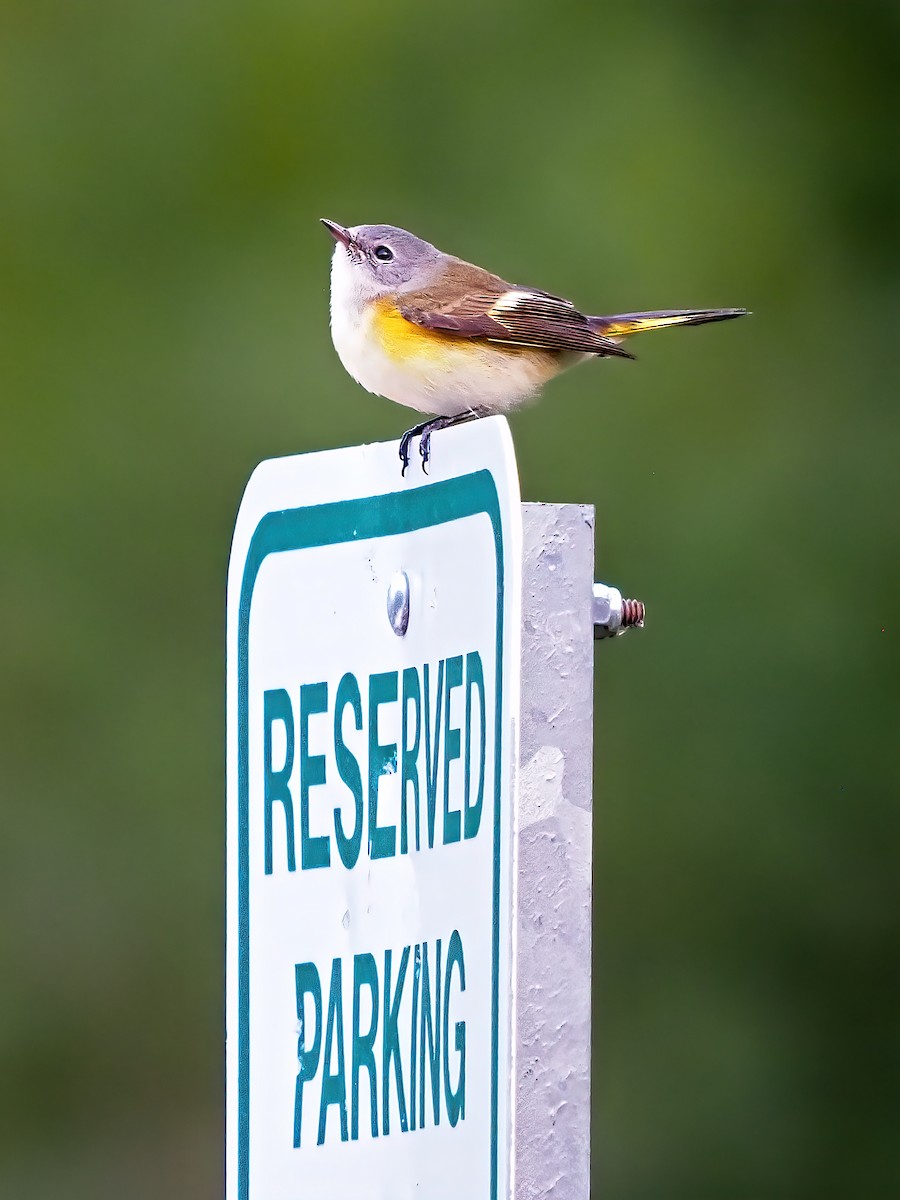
{"x": 423, "y": 432}
{"x": 404, "y": 450}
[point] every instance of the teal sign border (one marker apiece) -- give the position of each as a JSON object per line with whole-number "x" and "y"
{"x": 331, "y": 525}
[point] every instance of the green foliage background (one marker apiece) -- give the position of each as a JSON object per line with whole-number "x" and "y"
{"x": 163, "y": 316}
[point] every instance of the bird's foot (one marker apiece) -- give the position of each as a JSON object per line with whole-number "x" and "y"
{"x": 405, "y": 443}
{"x": 425, "y": 440}
{"x": 425, "y": 449}
{"x": 424, "y": 431}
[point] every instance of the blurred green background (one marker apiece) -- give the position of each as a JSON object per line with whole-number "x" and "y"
{"x": 163, "y": 320}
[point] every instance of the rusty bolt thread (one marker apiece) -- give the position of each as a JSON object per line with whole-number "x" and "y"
{"x": 632, "y": 614}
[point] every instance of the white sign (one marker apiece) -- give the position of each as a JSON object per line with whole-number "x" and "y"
{"x": 369, "y": 823}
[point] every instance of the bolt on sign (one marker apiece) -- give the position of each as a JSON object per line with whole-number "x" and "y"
{"x": 373, "y": 658}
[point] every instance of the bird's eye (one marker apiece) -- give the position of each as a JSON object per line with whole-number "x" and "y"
{"x": 384, "y": 253}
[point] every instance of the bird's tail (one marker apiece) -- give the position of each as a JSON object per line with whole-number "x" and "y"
{"x": 624, "y": 324}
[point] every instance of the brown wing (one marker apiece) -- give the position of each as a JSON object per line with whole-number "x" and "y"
{"x": 493, "y": 311}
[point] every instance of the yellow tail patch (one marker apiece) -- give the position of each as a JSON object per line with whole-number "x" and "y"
{"x": 624, "y": 324}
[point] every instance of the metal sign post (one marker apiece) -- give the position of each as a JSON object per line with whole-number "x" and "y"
{"x": 409, "y": 830}
{"x": 552, "y": 1012}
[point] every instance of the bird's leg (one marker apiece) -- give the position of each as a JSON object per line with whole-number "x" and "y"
{"x": 427, "y": 428}
{"x": 405, "y": 443}
{"x": 425, "y": 439}
{"x": 425, "y": 431}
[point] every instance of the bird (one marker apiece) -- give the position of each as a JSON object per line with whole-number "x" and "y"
{"x": 452, "y": 340}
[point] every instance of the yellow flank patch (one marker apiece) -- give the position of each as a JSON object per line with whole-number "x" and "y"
{"x": 401, "y": 339}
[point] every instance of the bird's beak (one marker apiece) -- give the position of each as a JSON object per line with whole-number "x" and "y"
{"x": 338, "y": 232}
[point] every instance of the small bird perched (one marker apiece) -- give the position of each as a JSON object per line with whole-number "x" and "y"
{"x": 445, "y": 337}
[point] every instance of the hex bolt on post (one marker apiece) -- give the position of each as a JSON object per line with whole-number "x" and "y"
{"x": 612, "y": 614}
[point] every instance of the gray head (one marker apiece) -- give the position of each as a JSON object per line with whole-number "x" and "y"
{"x": 384, "y": 258}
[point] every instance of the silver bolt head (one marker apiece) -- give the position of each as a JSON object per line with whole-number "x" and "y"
{"x": 398, "y": 603}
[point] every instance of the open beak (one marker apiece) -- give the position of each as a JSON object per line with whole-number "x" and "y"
{"x": 338, "y": 232}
